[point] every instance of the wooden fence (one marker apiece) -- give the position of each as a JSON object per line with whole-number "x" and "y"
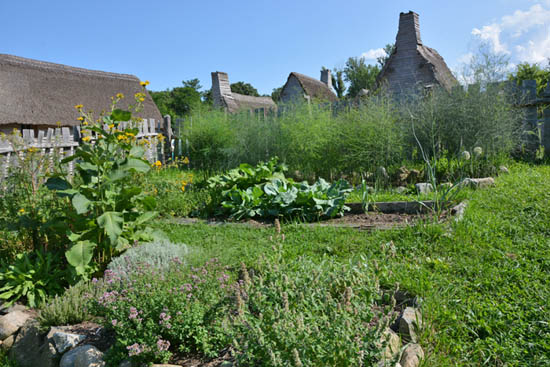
{"x": 56, "y": 144}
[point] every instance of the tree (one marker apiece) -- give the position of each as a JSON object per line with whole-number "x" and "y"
{"x": 178, "y": 101}
{"x": 338, "y": 82}
{"x": 360, "y": 75}
{"x": 244, "y": 88}
{"x": 526, "y": 71}
{"x": 276, "y": 94}
{"x": 382, "y": 60}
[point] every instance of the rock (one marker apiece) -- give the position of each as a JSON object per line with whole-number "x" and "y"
{"x": 458, "y": 210}
{"x": 393, "y": 344}
{"x": 424, "y": 187}
{"x": 89, "y": 356}
{"x": 414, "y": 174}
{"x": 11, "y": 322}
{"x": 480, "y": 182}
{"x": 409, "y": 323}
{"x": 401, "y": 190}
{"x": 83, "y": 356}
{"x": 503, "y": 169}
{"x": 64, "y": 341}
{"x": 403, "y": 174}
{"x": 125, "y": 363}
{"x": 382, "y": 174}
{"x": 412, "y": 355}
{"x": 8, "y": 342}
{"x": 17, "y": 307}
{"x": 29, "y": 349}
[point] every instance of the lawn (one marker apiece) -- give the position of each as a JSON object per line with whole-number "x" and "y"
{"x": 483, "y": 282}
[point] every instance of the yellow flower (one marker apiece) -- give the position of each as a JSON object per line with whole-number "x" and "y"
{"x": 120, "y": 95}
{"x": 85, "y": 123}
{"x": 78, "y": 106}
{"x": 141, "y": 99}
{"x": 111, "y": 126}
{"x": 183, "y": 188}
{"x": 130, "y": 134}
{"x": 144, "y": 84}
{"x": 158, "y": 163}
{"x": 121, "y": 137}
{"x": 87, "y": 138}
{"x": 185, "y": 160}
{"x": 80, "y": 118}
{"x": 21, "y": 210}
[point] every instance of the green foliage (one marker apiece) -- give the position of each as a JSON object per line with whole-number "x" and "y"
{"x": 360, "y": 75}
{"x": 388, "y": 49}
{"x": 482, "y": 281}
{"x": 27, "y": 209}
{"x": 157, "y": 255}
{"x": 308, "y": 313}
{"x": 31, "y": 276}
{"x": 108, "y": 212}
{"x": 244, "y": 88}
{"x": 73, "y": 306}
{"x": 179, "y": 101}
{"x": 338, "y": 82}
{"x": 263, "y": 191}
{"x": 181, "y": 311}
{"x": 526, "y": 71}
{"x": 276, "y": 94}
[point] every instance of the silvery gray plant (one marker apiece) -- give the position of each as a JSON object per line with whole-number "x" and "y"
{"x": 157, "y": 255}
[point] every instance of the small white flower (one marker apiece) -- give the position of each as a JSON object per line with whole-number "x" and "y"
{"x": 465, "y": 155}
{"x": 478, "y": 151}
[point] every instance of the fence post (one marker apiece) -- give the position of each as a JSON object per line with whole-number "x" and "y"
{"x": 168, "y": 132}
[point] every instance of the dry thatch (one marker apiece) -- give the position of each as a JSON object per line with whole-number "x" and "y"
{"x": 34, "y": 92}
{"x": 314, "y": 88}
{"x": 413, "y": 65}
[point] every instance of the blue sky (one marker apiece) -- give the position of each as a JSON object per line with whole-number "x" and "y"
{"x": 258, "y": 41}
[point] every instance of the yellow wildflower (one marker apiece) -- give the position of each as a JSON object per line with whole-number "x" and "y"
{"x": 85, "y": 123}
{"x": 87, "y": 138}
{"x": 183, "y": 188}
{"x": 130, "y": 134}
{"x": 80, "y": 118}
{"x": 120, "y": 95}
{"x": 144, "y": 84}
{"x": 22, "y": 210}
{"x": 158, "y": 163}
{"x": 111, "y": 126}
{"x": 122, "y": 137}
{"x": 185, "y": 160}
{"x": 78, "y": 106}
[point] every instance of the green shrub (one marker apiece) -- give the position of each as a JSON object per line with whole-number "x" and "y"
{"x": 73, "y": 306}
{"x": 33, "y": 277}
{"x": 263, "y": 191}
{"x": 302, "y": 313}
{"x": 108, "y": 212}
{"x": 157, "y": 255}
{"x": 154, "y": 316}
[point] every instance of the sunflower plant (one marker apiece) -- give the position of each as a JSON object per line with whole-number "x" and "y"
{"x": 108, "y": 213}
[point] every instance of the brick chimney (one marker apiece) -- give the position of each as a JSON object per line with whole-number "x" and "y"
{"x": 220, "y": 88}
{"x": 408, "y": 36}
{"x": 326, "y": 77}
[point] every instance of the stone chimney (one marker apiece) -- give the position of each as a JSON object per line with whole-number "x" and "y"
{"x": 408, "y": 36}
{"x": 220, "y": 88}
{"x": 326, "y": 77}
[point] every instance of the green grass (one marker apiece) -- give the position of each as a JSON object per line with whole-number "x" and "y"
{"x": 483, "y": 281}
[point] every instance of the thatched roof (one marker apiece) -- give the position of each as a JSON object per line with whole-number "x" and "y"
{"x": 412, "y": 64}
{"x": 223, "y": 97}
{"x": 34, "y": 92}
{"x": 314, "y": 88}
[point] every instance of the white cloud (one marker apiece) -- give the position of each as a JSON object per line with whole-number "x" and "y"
{"x": 524, "y": 35}
{"x": 374, "y": 53}
{"x": 466, "y": 58}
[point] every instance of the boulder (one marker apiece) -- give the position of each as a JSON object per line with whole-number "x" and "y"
{"x": 11, "y": 322}
{"x": 83, "y": 356}
{"x": 393, "y": 344}
{"x": 412, "y": 355}
{"x": 30, "y": 350}
{"x": 480, "y": 182}
{"x": 424, "y": 187}
{"x": 401, "y": 190}
{"x": 64, "y": 341}
{"x": 382, "y": 174}
{"x": 8, "y": 342}
{"x": 409, "y": 323}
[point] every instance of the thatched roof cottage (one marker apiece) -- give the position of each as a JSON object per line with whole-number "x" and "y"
{"x": 299, "y": 87}
{"x": 413, "y": 65}
{"x": 37, "y": 94}
{"x": 222, "y": 96}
